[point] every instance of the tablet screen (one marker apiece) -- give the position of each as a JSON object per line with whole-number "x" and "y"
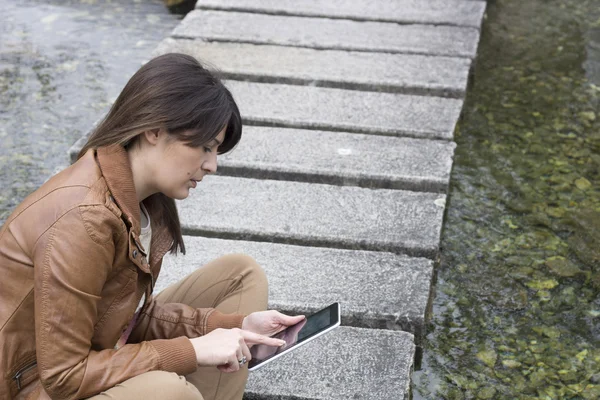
{"x": 296, "y": 334}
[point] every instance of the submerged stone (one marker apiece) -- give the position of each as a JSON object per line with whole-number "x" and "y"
{"x": 588, "y": 115}
{"x": 555, "y": 212}
{"x": 551, "y": 332}
{"x": 585, "y": 241}
{"x": 542, "y": 284}
{"x": 486, "y": 393}
{"x": 583, "y": 184}
{"x": 562, "y": 267}
{"x": 591, "y": 392}
{"x": 488, "y": 357}
{"x": 511, "y": 363}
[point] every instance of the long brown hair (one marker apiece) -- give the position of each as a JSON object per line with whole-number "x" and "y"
{"x": 174, "y": 92}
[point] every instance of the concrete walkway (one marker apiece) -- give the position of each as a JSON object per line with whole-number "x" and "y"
{"x": 338, "y": 186}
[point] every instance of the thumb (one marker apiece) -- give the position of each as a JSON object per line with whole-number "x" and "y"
{"x": 290, "y": 320}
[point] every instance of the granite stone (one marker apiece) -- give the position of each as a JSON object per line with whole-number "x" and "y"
{"x": 376, "y": 289}
{"x": 347, "y": 363}
{"x": 435, "y": 12}
{"x": 331, "y": 109}
{"x": 341, "y": 158}
{"x": 315, "y": 215}
{"x": 325, "y": 33}
{"x": 401, "y": 73}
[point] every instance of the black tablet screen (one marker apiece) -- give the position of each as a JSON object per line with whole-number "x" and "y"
{"x": 296, "y": 334}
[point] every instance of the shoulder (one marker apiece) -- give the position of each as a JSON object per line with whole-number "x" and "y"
{"x": 77, "y": 195}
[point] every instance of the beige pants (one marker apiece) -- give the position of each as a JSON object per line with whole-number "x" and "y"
{"x": 231, "y": 284}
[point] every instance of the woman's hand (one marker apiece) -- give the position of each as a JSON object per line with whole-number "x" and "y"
{"x": 224, "y": 348}
{"x": 269, "y": 322}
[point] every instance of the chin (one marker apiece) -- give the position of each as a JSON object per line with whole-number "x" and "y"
{"x": 182, "y": 196}
{"x": 178, "y": 195}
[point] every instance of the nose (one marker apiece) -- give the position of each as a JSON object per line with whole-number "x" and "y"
{"x": 210, "y": 164}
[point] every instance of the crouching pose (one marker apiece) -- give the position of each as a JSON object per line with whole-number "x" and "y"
{"x": 80, "y": 256}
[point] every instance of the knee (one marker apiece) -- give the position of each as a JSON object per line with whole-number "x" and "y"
{"x": 170, "y": 384}
{"x": 254, "y": 278}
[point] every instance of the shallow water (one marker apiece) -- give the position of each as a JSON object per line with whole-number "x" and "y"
{"x": 517, "y": 307}
{"x": 61, "y": 64}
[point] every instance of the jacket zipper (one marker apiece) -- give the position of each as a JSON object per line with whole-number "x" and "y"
{"x": 20, "y": 373}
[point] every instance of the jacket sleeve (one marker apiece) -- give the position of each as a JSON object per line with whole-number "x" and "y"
{"x": 171, "y": 320}
{"x": 72, "y": 261}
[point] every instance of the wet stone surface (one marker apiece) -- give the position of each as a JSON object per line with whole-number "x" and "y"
{"x": 61, "y": 64}
{"x": 517, "y": 308}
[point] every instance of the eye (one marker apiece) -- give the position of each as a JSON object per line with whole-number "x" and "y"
{"x": 208, "y": 149}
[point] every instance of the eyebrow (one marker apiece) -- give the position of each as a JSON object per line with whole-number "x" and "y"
{"x": 218, "y": 143}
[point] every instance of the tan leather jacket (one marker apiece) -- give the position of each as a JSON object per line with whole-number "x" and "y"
{"x": 72, "y": 272}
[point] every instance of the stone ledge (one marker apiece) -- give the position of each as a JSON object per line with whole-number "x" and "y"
{"x": 347, "y": 363}
{"x": 342, "y": 110}
{"x": 341, "y": 158}
{"x": 396, "y": 73}
{"x": 377, "y": 289}
{"x": 330, "y": 109}
{"x": 323, "y": 33}
{"x": 434, "y": 12}
{"x": 317, "y": 215}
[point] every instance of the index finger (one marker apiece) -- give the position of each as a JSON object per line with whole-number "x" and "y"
{"x": 255, "y": 338}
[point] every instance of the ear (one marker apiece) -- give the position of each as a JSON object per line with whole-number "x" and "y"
{"x": 153, "y": 136}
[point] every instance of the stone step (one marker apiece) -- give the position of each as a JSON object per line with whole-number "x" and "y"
{"x": 346, "y": 110}
{"x": 435, "y": 12}
{"x": 330, "y": 109}
{"x": 401, "y": 73}
{"x": 341, "y": 158}
{"x": 325, "y": 33}
{"x": 337, "y": 158}
{"x": 376, "y": 289}
{"x": 347, "y": 363}
{"x": 313, "y": 214}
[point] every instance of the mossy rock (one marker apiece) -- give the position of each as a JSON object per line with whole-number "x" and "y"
{"x": 511, "y": 363}
{"x": 583, "y": 184}
{"x": 486, "y": 393}
{"x": 542, "y": 284}
{"x": 562, "y": 267}
{"x": 488, "y": 357}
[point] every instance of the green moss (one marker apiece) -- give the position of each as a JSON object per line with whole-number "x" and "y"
{"x": 521, "y": 241}
{"x": 488, "y": 357}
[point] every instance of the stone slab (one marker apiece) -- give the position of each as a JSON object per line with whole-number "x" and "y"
{"x": 435, "y": 12}
{"x": 376, "y": 289}
{"x": 315, "y": 215}
{"x": 331, "y": 109}
{"x": 347, "y": 363}
{"x": 324, "y": 33}
{"x": 341, "y": 158}
{"x": 337, "y": 158}
{"x": 401, "y": 73}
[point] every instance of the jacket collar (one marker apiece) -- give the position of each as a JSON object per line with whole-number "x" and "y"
{"x": 114, "y": 165}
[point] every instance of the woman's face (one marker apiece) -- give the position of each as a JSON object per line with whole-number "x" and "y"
{"x": 180, "y": 168}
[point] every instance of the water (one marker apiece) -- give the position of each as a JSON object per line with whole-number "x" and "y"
{"x": 517, "y": 308}
{"x": 61, "y": 64}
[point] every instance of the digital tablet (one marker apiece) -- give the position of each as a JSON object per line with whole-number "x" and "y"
{"x": 295, "y": 336}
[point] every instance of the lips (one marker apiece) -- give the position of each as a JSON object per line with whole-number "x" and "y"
{"x": 194, "y": 183}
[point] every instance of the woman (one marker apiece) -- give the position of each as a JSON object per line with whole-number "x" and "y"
{"x": 79, "y": 258}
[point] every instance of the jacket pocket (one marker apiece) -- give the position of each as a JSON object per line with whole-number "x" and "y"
{"x": 18, "y": 377}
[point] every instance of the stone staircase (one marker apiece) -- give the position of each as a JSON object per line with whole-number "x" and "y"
{"x": 338, "y": 186}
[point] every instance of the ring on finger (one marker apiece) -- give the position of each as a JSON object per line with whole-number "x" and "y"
{"x": 243, "y": 360}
